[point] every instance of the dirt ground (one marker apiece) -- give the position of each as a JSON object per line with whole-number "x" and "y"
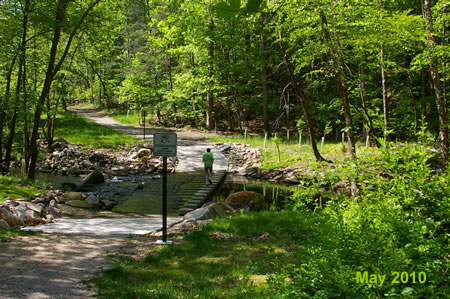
{"x": 56, "y": 265}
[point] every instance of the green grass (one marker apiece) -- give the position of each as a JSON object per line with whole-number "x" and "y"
{"x": 14, "y": 187}
{"x": 132, "y": 118}
{"x": 291, "y": 154}
{"x": 6, "y": 234}
{"x": 396, "y": 225}
{"x": 207, "y": 267}
{"x": 79, "y": 130}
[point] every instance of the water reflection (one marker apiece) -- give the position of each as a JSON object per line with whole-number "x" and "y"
{"x": 275, "y": 195}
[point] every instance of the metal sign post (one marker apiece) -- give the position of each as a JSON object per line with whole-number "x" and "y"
{"x": 164, "y": 145}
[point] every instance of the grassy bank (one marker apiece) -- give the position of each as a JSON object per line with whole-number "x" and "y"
{"x": 6, "y": 234}
{"x": 389, "y": 239}
{"x": 14, "y": 187}
{"x": 282, "y": 153}
{"x": 79, "y": 130}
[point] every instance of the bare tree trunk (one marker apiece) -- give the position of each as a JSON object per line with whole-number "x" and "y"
{"x": 264, "y": 78}
{"x": 5, "y": 102}
{"x": 209, "y": 94}
{"x": 52, "y": 69}
{"x": 385, "y": 108}
{"x": 440, "y": 103}
{"x": 341, "y": 86}
{"x": 363, "y": 92}
{"x": 299, "y": 94}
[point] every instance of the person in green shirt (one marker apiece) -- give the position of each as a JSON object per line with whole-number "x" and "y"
{"x": 208, "y": 160}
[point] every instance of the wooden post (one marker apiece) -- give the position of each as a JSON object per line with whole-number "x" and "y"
{"x": 245, "y": 135}
{"x": 321, "y": 144}
{"x": 265, "y": 139}
{"x": 299, "y": 139}
{"x": 367, "y": 141}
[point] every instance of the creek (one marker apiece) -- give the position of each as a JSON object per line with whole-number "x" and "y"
{"x": 143, "y": 193}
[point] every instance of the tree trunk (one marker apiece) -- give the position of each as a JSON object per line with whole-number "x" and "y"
{"x": 298, "y": 93}
{"x": 209, "y": 94}
{"x": 440, "y": 104}
{"x": 363, "y": 92}
{"x": 264, "y": 78}
{"x": 52, "y": 70}
{"x": 385, "y": 108}
{"x": 340, "y": 84}
{"x": 5, "y": 103}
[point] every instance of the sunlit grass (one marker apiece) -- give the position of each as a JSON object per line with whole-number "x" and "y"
{"x": 207, "y": 267}
{"x": 79, "y": 130}
{"x": 13, "y": 187}
{"x": 292, "y": 153}
{"x": 6, "y": 234}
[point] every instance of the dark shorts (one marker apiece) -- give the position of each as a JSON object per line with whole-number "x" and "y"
{"x": 208, "y": 169}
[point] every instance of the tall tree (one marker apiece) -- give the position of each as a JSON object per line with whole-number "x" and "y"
{"x": 439, "y": 97}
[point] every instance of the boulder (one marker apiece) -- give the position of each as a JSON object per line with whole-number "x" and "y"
{"x": 4, "y": 224}
{"x": 198, "y": 214}
{"x": 243, "y": 199}
{"x": 210, "y": 211}
{"x": 71, "y": 196}
{"x": 93, "y": 200}
{"x": 80, "y": 204}
{"x": 10, "y": 218}
{"x": 71, "y": 211}
{"x": 97, "y": 157}
{"x": 95, "y": 177}
{"x": 144, "y": 152}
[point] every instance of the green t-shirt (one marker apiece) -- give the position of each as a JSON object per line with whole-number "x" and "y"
{"x": 208, "y": 159}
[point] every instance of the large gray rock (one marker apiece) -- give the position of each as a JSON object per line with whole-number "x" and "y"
{"x": 71, "y": 196}
{"x": 93, "y": 200}
{"x": 10, "y": 218}
{"x": 4, "y": 224}
{"x": 241, "y": 200}
{"x": 94, "y": 178}
{"x": 80, "y": 204}
{"x": 211, "y": 211}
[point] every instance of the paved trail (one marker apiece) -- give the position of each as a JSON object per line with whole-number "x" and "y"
{"x": 54, "y": 265}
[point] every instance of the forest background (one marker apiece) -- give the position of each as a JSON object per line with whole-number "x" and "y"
{"x": 374, "y": 69}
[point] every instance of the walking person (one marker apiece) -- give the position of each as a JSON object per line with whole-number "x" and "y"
{"x": 208, "y": 161}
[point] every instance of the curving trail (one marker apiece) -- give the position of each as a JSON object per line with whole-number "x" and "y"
{"x": 55, "y": 265}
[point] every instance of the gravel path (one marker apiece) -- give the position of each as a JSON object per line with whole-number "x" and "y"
{"x": 55, "y": 265}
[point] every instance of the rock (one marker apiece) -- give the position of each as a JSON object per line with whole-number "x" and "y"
{"x": 30, "y": 217}
{"x": 71, "y": 196}
{"x": 144, "y": 152}
{"x": 95, "y": 177}
{"x": 34, "y": 207}
{"x": 4, "y": 224}
{"x": 80, "y": 204}
{"x": 198, "y": 214}
{"x": 242, "y": 199}
{"x": 10, "y": 218}
{"x": 93, "y": 200}
{"x": 68, "y": 186}
{"x": 224, "y": 147}
{"x": 210, "y": 211}
{"x": 97, "y": 157}
{"x": 109, "y": 204}
{"x": 71, "y": 211}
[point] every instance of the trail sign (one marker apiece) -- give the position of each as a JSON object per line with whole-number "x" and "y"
{"x": 165, "y": 144}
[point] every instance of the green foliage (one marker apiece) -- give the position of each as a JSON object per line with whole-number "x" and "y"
{"x": 14, "y": 187}
{"x": 79, "y": 130}
{"x": 396, "y": 222}
{"x": 7, "y": 234}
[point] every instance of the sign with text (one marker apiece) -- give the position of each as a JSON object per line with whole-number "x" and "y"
{"x": 165, "y": 144}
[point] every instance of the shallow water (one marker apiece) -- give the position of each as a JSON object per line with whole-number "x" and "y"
{"x": 275, "y": 194}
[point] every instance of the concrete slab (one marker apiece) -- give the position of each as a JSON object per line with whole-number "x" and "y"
{"x": 105, "y": 226}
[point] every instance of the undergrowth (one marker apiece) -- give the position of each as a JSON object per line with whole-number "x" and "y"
{"x": 396, "y": 221}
